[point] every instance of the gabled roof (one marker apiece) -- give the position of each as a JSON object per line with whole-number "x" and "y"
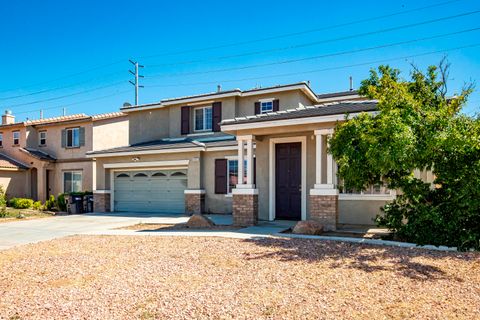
{"x": 199, "y": 142}
{"x": 337, "y": 94}
{"x": 333, "y": 108}
{"x": 7, "y": 162}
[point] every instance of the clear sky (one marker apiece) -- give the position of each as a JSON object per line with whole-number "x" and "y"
{"x": 74, "y": 54}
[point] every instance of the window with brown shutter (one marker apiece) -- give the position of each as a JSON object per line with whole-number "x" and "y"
{"x": 257, "y": 107}
{"x": 276, "y": 105}
{"x": 217, "y": 116}
{"x": 221, "y": 176}
{"x": 185, "y": 120}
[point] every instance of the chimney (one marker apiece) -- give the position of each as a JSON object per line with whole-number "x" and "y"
{"x": 351, "y": 83}
{"x": 219, "y": 88}
{"x": 8, "y": 117}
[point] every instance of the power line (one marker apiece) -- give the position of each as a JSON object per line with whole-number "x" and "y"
{"x": 75, "y": 103}
{"x": 318, "y": 70}
{"x": 405, "y": 26}
{"x": 317, "y": 56}
{"x": 345, "y": 24}
{"x": 68, "y": 95}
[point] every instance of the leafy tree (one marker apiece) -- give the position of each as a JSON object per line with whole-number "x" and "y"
{"x": 416, "y": 128}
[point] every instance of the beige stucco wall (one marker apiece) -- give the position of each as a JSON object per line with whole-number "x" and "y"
{"x": 86, "y": 167}
{"x": 13, "y": 183}
{"x": 110, "y": 133}
{"x": 214, "y": 203}
{"x": 148, "y": 125}
{"x": 359, "y": 211}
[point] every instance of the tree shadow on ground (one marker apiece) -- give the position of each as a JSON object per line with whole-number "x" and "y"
{"x": 407, "y": 262}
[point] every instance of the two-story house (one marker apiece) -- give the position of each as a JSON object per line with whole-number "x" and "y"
{"x": 46, "y": 157}
{"x": 187, "y": 155}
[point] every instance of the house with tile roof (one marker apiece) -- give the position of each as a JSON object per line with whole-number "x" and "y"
{"x": 47, "y": 156}
{"x": 258, "y": 154}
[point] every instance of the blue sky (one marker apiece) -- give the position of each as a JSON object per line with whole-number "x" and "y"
{"x": 74, "y": 54}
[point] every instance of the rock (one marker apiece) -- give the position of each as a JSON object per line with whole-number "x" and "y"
{"x": 309, "y": 227}
{"x": 21, "y": 216}
{"x": 199, "y": 221}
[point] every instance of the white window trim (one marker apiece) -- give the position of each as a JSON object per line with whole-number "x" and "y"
{"x": 233, "y": 158}
{"x": 13, "y": 136}
{"x": 203, "y": 108}
{"x": 363, "y": 196}
{"x": 265, "y": 101}
{"x": 66, "y": 137}
{"x": 72, "y": 171}
{"x": 40, "y": 138}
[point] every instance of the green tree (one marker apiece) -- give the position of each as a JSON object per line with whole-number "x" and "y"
{"x": 416, "y": 128}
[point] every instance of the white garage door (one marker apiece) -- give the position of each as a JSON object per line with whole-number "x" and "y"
{"x": 150, "y": 191}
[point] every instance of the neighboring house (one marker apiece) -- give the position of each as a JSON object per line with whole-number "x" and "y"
{"x": 183, "y": 156}
{"x": 46, "y": 157}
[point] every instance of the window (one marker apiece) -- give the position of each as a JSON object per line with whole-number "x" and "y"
{"x": 203, "y": 119}
{"x": 72, "y": 181}
{"x": 42, "y": 138}
{"x": 16, "y": 138}
{"x": 1, "y": 139}
{"x": 232, "y": 174}
{"x": 377, "y": 189}
{"x": 73, "y": 137}
{"x": 266, "y": 106}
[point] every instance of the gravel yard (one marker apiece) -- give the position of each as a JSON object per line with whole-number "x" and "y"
{"x": 124, "y": 277}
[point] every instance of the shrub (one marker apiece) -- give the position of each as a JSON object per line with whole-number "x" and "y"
{"x": 50, "y": 204}
{"x": 21, "y": 203}
{"x": 61, "y": 203}
{"x": 3, "y": 200}
{"x": 37, "y": 205}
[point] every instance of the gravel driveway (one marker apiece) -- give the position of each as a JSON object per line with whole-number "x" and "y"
{"x": 127, "y": 277}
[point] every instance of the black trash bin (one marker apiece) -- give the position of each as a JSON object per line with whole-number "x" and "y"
{"x": 88, "y": 203}
{"x": 76, "y": 204}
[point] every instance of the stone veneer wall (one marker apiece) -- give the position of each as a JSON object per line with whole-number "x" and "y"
{"x": 101, "y": 202}
{"x": 245, "y": 209}
{"x": 324, "y": 209}
{"x": 194, "y": 203}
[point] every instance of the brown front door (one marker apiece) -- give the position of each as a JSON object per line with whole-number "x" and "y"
{"x": 288, "y": 181}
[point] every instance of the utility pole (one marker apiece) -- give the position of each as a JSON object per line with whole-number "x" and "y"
{"x": 136, "y": 75}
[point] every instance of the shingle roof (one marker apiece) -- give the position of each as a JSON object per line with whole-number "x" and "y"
{"x": 200, "y": 141}
{"x": 333, "y": 108}
{"x": 38, "y": 154}
{"x": 9, "y": 163}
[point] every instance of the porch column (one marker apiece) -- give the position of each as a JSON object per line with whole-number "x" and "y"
{"x": 324, "y": 195}
{"x": 245, "y": 195}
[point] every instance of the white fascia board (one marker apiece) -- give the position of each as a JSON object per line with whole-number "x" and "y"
{"x": 288, "y": 122}
{"x": 147, "y": 164}
{"x": 140, "y": 152}
{"x": 338, "y": 98}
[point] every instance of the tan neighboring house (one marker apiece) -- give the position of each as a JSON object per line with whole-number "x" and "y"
{"x": 187, "y": 154}
{"x": 46, "y": 157}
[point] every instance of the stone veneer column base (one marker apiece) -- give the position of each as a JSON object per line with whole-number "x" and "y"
{"x": 245, "y": 207}
{"x": 324, "y": 209}
{"x": 194, "y": 201}
{"x": 101, "y": 202}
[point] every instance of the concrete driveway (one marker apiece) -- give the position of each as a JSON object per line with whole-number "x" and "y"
{"x": 30, "y": 231}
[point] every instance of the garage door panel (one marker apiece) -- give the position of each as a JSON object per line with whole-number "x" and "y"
{"x": 150, "y": 191}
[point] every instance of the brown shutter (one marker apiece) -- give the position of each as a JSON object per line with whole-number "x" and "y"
{"x": 216, "y": 116}
{"x": 221, "y": 176}
{"x": 185, "y": 125}
{"x": 276, "y": 105}
{"x": 257, "y": 107}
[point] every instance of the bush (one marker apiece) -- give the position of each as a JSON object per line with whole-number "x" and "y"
{"x": 21, "y": 203}
{"x": 50, "y": 204}
{"x": 3, "y": 200}
{"x": 61, "y": 203}
{"x": 37, "y": 205}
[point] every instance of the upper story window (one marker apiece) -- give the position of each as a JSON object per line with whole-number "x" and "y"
{"x": 73, "y": 138}
{"x": 42, "y": 138}
{"x": 16, "y": 138}
{"x": 203, "y": 118}
{"x": 266, "y": 106}
{"x": 1, "y": 139}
